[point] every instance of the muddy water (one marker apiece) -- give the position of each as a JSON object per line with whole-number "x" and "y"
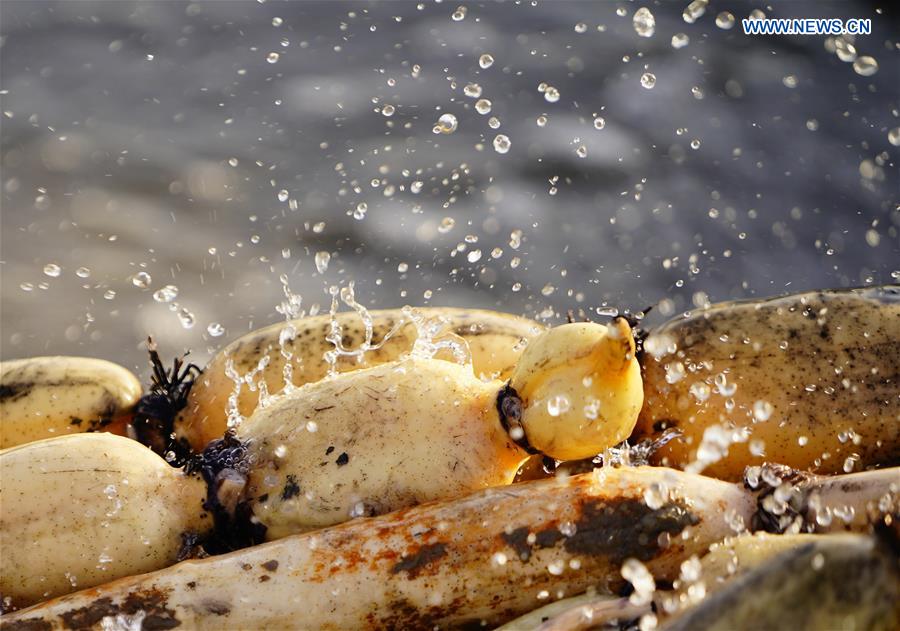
{"x": 148, "y": 144}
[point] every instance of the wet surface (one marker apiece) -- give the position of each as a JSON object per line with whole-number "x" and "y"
{"x": 156, "y": 137}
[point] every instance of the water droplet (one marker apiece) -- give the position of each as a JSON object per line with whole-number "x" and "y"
{"x": 641, "y": 579}
{"x": 474, "y": 256}
{"x": 700, "y": 390}
{"x": 483, "y": 106}
{"x": 872, "y": 238}
{"x": 694, "y": 11}
{"x": 551, "y": 94}
{"x": 695, "y": 144}
{"x": 581, "y": 151}
{"x": 472, "y": 90}
{"x": 403, "y": 267}
{"x": 656, "y": 495}
{"x": 581, "y": 27}
{"x": 501, "y": 143}
{"x": 599, "y": 122}
{"x": 894, "y": 136}
{"x": 845, "y": 51}
{"x": 166, "y": 294}
{"x": 648, "y": 80}
{"x": 644, "y": 23}
{"x": 387, "y": 110}
{"x": 865, "y": 66}
{"x": 109, "y": 294}
{"x": 283, "y": 195}
{"x": 26, "y": 286}
{"x": 186, "y": 318}
{"x": 762, "y": 411}
{"x": 485, "y": 61}
{"x": 322, "y": 260}
{"x": 142, "y": 280}
{"x": 277, "y": 21}
{"x": 680, "y": 40}
{"x": 725, "y": 20}
{"x": 541, "y": 120}
{"x": 446, "y": 225}
{"x": 460, "y": 14}
{"x": 557, "y": 405}
{"x": 674, "y": 372}
{"x": 52, "y": 270}
{"x": 446, "y": 124}
{"x": 359, "y": 213}
{"x": 493, "y": 122}
{"x": 758, "y": 447}
{"x": 850, "y": 463}
{"x": 215, "y": 329}
{"x": 272, "y": 57}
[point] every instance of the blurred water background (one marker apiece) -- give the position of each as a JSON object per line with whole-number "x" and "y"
{"x": 165, "y": 163}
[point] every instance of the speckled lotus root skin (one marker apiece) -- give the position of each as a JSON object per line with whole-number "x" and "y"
{"x": 400, "y": 433}
{"x": 495, "y": 341}
{"x": 808, "y": 380}
{"x": 84, "y": 509}
{"x": 43, "y": 397}
{"x": 482, "y": 559}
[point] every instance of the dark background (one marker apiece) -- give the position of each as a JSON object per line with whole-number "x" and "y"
{"x": 155, "y": 136}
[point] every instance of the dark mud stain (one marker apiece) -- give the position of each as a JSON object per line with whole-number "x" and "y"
{"x": 217, "y": 607}
{"x": 27, "y": 625}
{"x": 402, "y": 614}
{"x": 615, "y": 529}
{"x": 518, "y": 541}
{"x": 342, "y": 459}
{"x": 626, "y": 528}
{"x": 152, "y": 602}
{"x": 291, "y": 488}
{"x": 414, "y": 564}
{"x": 548, "y": 538}
{"x": 10, "y": 392}
{"x": 271, "y": 566}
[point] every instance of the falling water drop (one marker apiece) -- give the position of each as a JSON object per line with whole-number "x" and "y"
{"x": 322, "y": 260}
{"x": 644, "y": 23}
{"x": 141, "y": 280}
{"x": 501, "y": 143}
{"x": 446, "y": 124}
{"x": 865, "y": 66}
